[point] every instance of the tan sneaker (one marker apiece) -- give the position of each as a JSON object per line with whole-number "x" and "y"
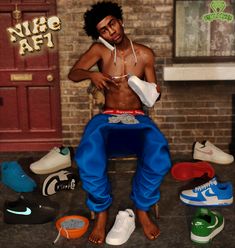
{"x": 57, "y": 159}
{"x": 211, "y": 153}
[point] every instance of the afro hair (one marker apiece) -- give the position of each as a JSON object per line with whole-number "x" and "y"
{"x": 97, "y": 13}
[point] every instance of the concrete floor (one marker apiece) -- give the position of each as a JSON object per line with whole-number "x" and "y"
{"x": 174, "y": 221}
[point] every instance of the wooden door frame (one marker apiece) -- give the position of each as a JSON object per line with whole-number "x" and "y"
{"x": 37, "y": 143}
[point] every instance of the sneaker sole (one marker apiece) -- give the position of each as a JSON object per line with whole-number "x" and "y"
{"x": 116, "y": 242}
{"x": 50, "y": 170}
{"x": 137, "y": 89}
{"x": 198, "y": 157}
{"x": 188, "y": 170}
{"x": 200, "y": 239}
{"x": 207, "y": 203}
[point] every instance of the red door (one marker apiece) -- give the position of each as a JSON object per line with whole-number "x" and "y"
{"x": 30, "y": 114}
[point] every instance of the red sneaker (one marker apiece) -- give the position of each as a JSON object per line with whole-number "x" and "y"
{"x": 187, "y": 170}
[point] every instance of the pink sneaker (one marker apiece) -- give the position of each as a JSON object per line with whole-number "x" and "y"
{"x": 211, "y": 153}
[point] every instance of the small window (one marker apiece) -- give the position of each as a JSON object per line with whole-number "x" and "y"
{"x": 204, "y": 31}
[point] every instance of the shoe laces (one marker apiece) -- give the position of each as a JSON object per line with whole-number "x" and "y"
{"x": 206, "y": 185}
{"x": 18, "y": 170}
{"x": 121, "y": 221}
{"x": 53, "y": 150}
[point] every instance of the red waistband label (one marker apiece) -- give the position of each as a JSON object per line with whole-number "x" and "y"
{"x": 120, "y": 112}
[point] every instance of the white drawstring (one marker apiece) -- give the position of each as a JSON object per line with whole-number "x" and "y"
{"x": 58, "y": 236}
{"x": 115, "y": 55}
{"x": 133, "y": 51}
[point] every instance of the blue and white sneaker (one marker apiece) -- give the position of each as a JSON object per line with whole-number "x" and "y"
{"x": 212, "y": 193}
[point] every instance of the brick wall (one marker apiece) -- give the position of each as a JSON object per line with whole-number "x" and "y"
{"x": 187, "y": 111}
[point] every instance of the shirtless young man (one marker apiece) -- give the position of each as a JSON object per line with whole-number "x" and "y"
{"x": 105, "y": 20}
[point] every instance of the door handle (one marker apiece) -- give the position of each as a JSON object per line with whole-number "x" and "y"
{"x": 1, "y": 101}
{"x": 50, "y": 77}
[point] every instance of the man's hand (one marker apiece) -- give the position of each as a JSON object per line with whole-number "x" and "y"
{"x": 101, "y": 80}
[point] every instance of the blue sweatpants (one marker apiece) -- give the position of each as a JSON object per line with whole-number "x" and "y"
{"x": 102, "y": 140}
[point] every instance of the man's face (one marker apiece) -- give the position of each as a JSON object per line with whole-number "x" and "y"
{"x": 111, "y": 29}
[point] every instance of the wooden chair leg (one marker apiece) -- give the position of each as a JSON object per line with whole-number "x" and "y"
{"x": 92, "y": 215}
{"x": 156, "y": 211}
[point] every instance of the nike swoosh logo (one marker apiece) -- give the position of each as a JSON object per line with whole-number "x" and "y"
{"x": 209, "y": 193}
{"x": 26, "y": 212}
{"x": 216, "y": 222}
{"x": 208, "y": 153}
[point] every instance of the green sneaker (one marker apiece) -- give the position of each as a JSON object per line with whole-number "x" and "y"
{"x": 206, "y": 225}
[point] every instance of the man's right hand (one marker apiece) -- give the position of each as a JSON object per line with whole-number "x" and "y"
{"x": 102, "y": 80}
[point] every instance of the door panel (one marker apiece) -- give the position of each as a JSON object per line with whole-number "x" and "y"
{"x": 9, "y": 114}
{"x": 39, "y": 61}
{"x": 6, "y": 50}
{"x": 29, "y": 86}
{"x": 39, "y": 108}
{"x": 35, "y": 1}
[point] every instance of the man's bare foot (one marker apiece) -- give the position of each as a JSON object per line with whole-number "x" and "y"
{"x": 151, "y": 230}
{"x": 97, "y": 235}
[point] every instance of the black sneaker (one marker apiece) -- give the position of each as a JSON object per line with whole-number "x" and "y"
{"x": 30, "y": 211}
{"x": 62, "y": 180}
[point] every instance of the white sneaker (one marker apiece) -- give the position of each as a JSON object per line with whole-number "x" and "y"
{"x": 147, "y": 92}
{"x": 53, "y": 161}
{"x": 211, "y": 153}
{"x": 122, "y": 229}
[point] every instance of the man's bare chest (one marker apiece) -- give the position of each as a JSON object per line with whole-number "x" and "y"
{"x": 122, "y": 64}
